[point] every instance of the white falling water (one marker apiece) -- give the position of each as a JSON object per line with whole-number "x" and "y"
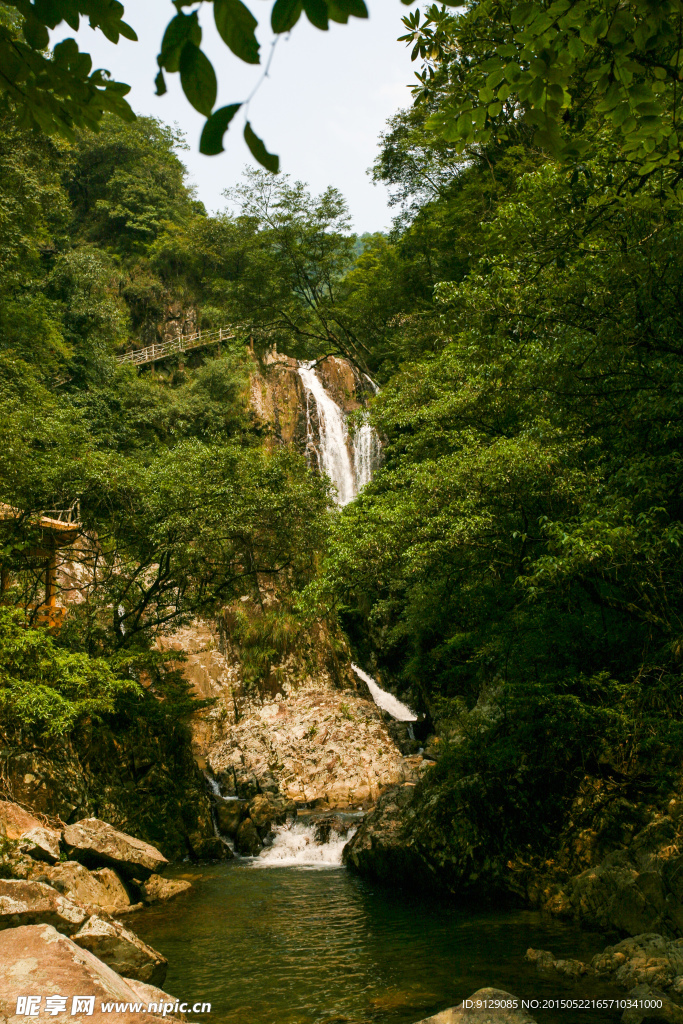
{"x": 294, "y": 846}
{"x": 384, "y": 700}
{"x": 366, "y": 454}
{"x": 332, "y": 452}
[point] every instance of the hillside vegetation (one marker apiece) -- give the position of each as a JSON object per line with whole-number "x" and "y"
{"x": 513, "y": 570}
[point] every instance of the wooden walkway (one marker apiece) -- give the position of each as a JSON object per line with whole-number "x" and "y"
{"x": 152, "y": 353}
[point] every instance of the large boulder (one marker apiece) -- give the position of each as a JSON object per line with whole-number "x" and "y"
{"x": 41, "y": 844}
{"x": 382, "y": 850}
{"x": 485, "y": 1006}
{"x": 247, "y": 840}
{"x": 159, "y": 890}
{"x": 102, "y": 888}
{"x": 97, "y": 844}
{"x": 37, "y": 959}
{"x": 229, "y": 815}
{"x": 26, "y": 903}
{"x": 264, "y": 812}
{"x": 122, "y": 950}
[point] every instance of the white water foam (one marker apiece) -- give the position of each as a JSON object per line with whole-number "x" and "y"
{"x": 334, "y": 451}
{"x": 384, "y": 700}
{"x": 294, "y": 846}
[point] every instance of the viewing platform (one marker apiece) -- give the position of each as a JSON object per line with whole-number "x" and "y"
{"x": 59, "y": 528}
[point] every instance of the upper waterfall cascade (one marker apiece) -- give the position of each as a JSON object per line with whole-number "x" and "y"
{"x": 349, "y": 467}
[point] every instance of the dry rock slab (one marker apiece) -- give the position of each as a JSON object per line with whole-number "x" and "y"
{"x": 97, "y": 844}
{"x": 102, "y": 888}
{"x": 38, "y": 959}
{"x": 41, "y": 844}
{"x": 485, "y": 1006}
{"x": 122, "y": 950}
{"x": 27, "y": 903}
{"x": 159, "y": 890}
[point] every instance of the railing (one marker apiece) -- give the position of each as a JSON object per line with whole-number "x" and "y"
{"x": 64, "y": 515}
{"x": 151, "y": 353}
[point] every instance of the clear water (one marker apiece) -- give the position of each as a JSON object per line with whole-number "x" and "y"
{"x": 294, "y": 945}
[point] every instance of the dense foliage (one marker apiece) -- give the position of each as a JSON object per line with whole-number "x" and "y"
{"x": 182, "y": 506}
{"x": 514, "y": 567}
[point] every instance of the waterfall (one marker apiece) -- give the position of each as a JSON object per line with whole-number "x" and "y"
{"x": 386, "y": 701}
{"x": 332, "y": 452}
{"x": 295, "y": 846}
{"x": 366, "y": 454}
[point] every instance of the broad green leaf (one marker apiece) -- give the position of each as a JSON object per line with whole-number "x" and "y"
{"x": 285, "y": 15}
{"x": 181, "y": 29}
{"x": 341, "y": 10}
{"x": 316, "y": 12}
{"x": 236, "y": 24}
{"x": 198, "y": 78}
{"x": 35, "y": 33}
{"x": 211, "y": 141}
{"x": 259, "y": 151}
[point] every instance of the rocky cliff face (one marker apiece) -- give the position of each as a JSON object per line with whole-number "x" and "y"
{"x": 309, "y": 725}
{"x": 617, "y": 866}
{"x": 144, "y": 781}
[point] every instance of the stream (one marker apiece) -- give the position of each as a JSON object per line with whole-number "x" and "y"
{"x": 291, "y": 937}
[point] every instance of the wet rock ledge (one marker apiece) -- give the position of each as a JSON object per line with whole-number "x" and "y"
{"x": 61, "y": 894}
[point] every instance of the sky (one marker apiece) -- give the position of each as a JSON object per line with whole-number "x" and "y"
{"x": 326, "y": 99}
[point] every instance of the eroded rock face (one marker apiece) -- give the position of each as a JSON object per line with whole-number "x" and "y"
{"x": 122, "y": 950}
{"x": 97, "y": 844}
{"x": 102, "y": 888}
{"x": 323, "y": 746}
{"x": 485, "y": 1006}
{"x": 27, "y": 903}
{"x": 143, "y": 780}
{"x": 37, "y": 959}
{"x": 633, "y": 890}
{"x": 380, "y": 848}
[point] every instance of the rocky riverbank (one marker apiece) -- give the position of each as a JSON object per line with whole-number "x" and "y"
{"x": 62, "y": 892}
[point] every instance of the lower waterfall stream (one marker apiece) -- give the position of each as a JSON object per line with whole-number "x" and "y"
{"x": 307, "y": 942}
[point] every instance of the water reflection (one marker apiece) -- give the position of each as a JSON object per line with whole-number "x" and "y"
{"x": 289, "y": 946}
